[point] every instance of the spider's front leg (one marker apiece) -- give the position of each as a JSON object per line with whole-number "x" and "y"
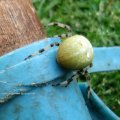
{"x": 40, "y": 51}
{"x": 74, "y": 77}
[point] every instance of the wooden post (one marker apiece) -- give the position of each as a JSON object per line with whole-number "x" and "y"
{"x": 18, "y": 25}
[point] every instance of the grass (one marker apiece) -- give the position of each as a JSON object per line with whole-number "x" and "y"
{"x": 99, "y": 21}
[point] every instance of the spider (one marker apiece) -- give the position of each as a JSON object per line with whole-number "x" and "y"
{"x": 79, "y": 74}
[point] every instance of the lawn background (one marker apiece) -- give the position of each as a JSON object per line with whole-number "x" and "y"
{"x": 99, "y": 21}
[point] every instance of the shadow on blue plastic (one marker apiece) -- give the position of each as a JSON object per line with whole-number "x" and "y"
{"x": 97, "y": 109}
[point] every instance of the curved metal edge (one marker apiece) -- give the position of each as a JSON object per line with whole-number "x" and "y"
{"x": 96, "y": 103}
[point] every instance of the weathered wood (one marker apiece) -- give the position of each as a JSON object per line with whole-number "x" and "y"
{"x": 18, "y": 25}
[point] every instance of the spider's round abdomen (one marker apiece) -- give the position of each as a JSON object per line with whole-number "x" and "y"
{"x": 75, "y": 52}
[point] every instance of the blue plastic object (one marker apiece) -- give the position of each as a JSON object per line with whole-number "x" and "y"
{"x": 21, "y": 100}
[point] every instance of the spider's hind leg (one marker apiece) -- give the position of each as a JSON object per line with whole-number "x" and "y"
{"x": 88, "y": 79}
{"x": 68, "y": 81}
{"x": 84, "y": 75}
{"x": 64, "y": 83}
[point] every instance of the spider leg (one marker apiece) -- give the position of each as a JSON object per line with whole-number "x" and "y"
{"x": 42, "y": 50}
{"x": 88, "y": 79}
{"x": 63, "y": 26}
{"x": 83, "y": 74}
{"x": 91, "y": 64}
{"x": 67, "y": 82}
{"x": 58, "y": 84}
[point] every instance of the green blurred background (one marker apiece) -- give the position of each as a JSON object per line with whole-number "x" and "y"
{"x": 99, "y": 21}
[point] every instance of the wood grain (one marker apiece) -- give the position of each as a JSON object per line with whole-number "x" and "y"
{"x": 19, "y": 25}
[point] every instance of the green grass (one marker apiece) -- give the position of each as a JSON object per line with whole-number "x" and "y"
{"x": 99, "y": 21}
